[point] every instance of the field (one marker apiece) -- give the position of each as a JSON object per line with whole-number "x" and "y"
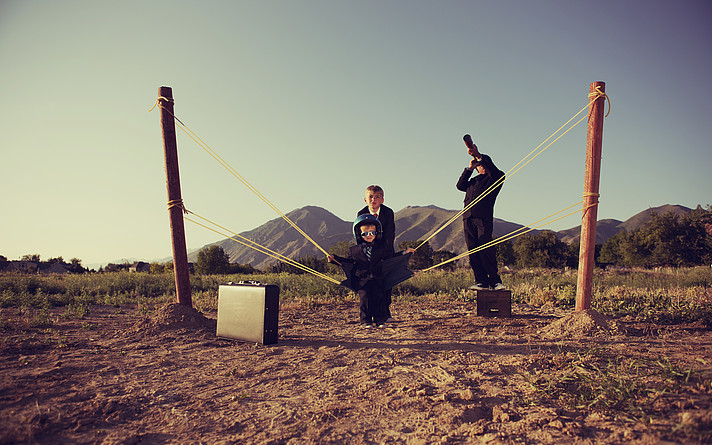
{"x": 110, "y": 359}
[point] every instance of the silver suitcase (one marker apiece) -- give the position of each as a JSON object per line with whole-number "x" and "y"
{"x": 248, "y": 311}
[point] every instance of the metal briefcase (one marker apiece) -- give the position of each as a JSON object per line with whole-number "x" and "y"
{"x": 248, "y": 311}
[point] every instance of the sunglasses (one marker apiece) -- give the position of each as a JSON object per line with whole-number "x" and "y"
{"x": 365, "y": 234}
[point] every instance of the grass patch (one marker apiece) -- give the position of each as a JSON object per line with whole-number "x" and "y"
{"x": 627, "y": 389}
{"x": 76, "y": 310}
{"x": 660, "y": 295}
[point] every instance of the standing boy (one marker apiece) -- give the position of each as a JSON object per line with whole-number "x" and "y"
{"x": 374, "y": 206}
{"x": 478, "y": 221}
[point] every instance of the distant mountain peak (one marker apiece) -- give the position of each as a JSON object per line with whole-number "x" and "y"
{"x": 412, "y": 223}
{"x": 433, "y": 207}
{"x": 606, "y": 228}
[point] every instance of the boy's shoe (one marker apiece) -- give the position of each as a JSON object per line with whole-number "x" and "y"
{"x": 381, "y": 325}
{"x": 365, "y": 325}
{"x": 391, "y": 320}
{"x": 479, "y": 286}
{"x": 499, "y": 286}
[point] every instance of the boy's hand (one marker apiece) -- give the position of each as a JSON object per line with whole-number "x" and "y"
{"x": 409, "y": 250}
{"x": 474, "y": 161}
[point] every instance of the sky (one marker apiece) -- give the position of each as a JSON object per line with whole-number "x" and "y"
{"x": 313, "y": 100}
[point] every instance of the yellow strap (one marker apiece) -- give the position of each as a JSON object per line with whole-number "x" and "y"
{"x": 511, "y": 235}
{"x": 234, "y": 172}
{"x": 262, "y": 249}
{"x": 511, "y": 172}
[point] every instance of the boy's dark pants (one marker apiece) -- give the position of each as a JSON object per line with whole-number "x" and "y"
{"x": 483, "y": 263}
{"x": 372, "y": 307}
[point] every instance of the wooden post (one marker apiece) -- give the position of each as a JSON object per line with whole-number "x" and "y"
{"x": 175, "y": 207}
{"x": 594, "y": 144}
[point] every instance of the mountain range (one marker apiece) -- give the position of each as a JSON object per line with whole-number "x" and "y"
{"x": 412, "y": 223}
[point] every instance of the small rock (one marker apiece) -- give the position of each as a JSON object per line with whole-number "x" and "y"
{"x": 468, "y": 394}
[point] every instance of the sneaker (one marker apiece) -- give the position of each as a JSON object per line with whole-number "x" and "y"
{"x": 381, "y": 325}
{"x": 391, "y": 320}
{"x": 365, "y": 325}
{"x": 499, "y": 286}
{"x": 479, "y": 286}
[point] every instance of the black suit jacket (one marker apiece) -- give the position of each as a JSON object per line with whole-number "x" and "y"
{"x": 387, "y": 219}
{"x": 474, "y": 187}
{"x": 365, "y": 269}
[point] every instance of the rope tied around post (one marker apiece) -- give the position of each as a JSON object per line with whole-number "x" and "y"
{"x": 178, "y": 203}
{"x": 598, "y": 94}
{"x": 593, "y": 195}
{"x": 159, "y": 104}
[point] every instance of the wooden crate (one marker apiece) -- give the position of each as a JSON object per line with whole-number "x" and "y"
{"x": 494, "y": 303}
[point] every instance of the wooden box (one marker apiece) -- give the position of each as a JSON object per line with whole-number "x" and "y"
{"x": 248, "y": 311}
{"x": 494, "y": 303}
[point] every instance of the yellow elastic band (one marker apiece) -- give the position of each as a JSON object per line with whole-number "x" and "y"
{"x": 512, "y": 171}
{"x": 230, "y": 169}
{"x": 234, "y": 172}
{"x": 513, "y": 234}
{"x": 255, "y": 246}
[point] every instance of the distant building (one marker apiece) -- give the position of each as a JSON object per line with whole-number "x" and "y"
{"x": 140, "y": 266}
{"x": 22, "y": 266}
{"x": 56, "y": 268}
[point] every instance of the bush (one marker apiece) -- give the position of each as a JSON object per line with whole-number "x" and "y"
{"x": 665, "y": 240}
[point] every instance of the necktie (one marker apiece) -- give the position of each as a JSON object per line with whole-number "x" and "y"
{"x": 367, "y": 251}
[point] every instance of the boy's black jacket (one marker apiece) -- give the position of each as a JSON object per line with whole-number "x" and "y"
{"x": 359, "y": 269}
{"x": 474, "y": 187}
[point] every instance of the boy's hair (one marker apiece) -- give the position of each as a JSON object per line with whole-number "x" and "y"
{"x": 374, "y": 189}
{"x": 362, "y": 226}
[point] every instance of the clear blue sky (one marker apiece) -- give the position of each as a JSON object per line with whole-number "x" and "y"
{"x": 313, "y": 100}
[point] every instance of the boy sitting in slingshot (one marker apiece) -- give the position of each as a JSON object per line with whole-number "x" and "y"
{"x": 371, "y": 270}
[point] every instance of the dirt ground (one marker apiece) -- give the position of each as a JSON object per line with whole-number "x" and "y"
{"x": 440, "y": 374}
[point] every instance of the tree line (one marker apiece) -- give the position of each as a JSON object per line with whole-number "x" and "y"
{"x": 665, "y": 240}
{"x": 32, "y": 263}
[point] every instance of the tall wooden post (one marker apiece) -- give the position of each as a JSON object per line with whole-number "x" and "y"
{"x": 590, "y": 196}
{"x": 175, "y": 207}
